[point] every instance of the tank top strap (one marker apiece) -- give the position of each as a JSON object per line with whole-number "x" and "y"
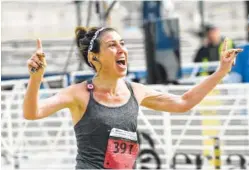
{"x": 129, "y": 87}
{"x": 90, "y": 87}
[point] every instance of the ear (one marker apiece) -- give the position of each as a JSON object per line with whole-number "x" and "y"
{"x": 95, "y": 58}
{"x": 92, "y": 57}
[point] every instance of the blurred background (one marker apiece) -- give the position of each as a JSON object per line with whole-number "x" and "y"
{"x": 172, "y": 46}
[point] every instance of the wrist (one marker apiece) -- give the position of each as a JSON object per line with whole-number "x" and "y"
{"x": 37, "y": 79}
{"x": 221, "y": 73}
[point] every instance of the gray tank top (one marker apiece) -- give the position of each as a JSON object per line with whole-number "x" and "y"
{"x": 93, "y": 129}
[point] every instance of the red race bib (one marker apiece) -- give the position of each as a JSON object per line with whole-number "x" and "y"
{"x": 122, "y": 149}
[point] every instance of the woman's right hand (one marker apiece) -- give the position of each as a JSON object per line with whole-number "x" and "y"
{"x": 37, "y": 62}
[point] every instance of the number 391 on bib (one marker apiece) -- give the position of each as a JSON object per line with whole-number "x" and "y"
{"x": 122, "y": 149}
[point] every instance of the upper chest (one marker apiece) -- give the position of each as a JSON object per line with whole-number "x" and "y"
{"x": 122, "y": 97}
{"x": 107, "y": 99}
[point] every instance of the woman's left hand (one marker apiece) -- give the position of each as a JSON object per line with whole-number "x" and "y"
{"x": 227, "y": 58}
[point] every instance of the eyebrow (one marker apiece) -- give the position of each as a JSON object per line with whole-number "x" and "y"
{"x": 114, "y": 40}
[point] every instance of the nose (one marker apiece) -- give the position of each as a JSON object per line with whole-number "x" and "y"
{"x": 122, "y": 49}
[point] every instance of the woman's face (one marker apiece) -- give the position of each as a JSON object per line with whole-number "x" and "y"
{"x": 113, "y": 54}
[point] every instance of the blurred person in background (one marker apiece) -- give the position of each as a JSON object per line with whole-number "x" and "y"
{"x": 211, "y": 50}
{"x": 104, "y": 109}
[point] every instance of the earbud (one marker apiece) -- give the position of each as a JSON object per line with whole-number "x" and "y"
{"x": 95, "y": 58}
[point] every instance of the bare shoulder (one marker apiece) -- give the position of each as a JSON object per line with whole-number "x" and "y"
{"x": 79, "y": 92}
{"x": 139, "y": 91}
{"x": 79, "y": 86}
{"x": 75, "y": 95}
{"x": 142, "y": 91}
{"x": 141, "y": 88}
{"x": 137, "y": 85}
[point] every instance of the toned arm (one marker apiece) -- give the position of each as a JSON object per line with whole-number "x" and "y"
{"x": 156, "y": 100}
{"x": 35, "y": 109}
{"x": 153, "y": 99}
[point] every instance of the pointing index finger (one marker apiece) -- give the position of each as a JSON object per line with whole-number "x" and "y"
{"x": 39, "y": 45}
{"x": 238, "y": 50}
{"x": 224, "y": 45}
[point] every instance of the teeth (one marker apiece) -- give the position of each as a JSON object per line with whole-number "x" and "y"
{"x": 121, "y": 62}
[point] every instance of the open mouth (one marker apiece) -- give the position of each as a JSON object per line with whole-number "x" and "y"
{"x": 121, "y": 62}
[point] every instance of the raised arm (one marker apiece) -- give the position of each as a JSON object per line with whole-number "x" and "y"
{"x": 31, "y": 109}
{"x": 173, "y": 103}
{"x": 34, "y": 109}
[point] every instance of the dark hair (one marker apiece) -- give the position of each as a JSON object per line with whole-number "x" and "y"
{"x": 209, "y": 27}
{"x": 84, "y": 37}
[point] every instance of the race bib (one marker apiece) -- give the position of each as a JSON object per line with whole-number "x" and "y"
{"x": 122, "y": 149}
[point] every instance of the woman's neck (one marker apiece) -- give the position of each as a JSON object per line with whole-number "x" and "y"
{"x": 108, "y": 85}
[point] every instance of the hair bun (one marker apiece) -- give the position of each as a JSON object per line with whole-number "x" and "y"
{"x": 80, "y": 33}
